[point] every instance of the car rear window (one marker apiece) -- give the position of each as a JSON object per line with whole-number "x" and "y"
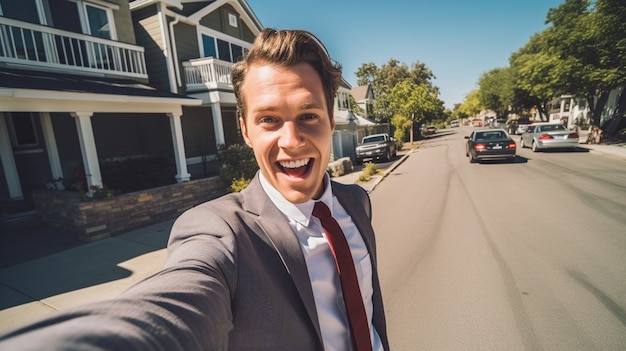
{"x": 552, "y": 127}
{"x": 490, "y": 135}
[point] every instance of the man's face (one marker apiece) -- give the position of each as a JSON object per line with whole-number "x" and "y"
{"x": 288, "y": 127}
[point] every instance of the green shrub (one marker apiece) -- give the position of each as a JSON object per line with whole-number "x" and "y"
{"x": 238, "y": 165}
{"x": 238, "y": 185}
{"x": 370, "y": 168}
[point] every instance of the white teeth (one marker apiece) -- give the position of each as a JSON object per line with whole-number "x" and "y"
{"x": 295, "y": 164}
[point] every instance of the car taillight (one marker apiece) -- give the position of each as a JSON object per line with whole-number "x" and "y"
{"x": 545, "y": 136}
{"x": 573, "y": 136}
{"x": 512, "y": 146}
{"x": 478, "y": 147}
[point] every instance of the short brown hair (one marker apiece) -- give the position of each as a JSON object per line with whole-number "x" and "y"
{"x": 288, "y": 48}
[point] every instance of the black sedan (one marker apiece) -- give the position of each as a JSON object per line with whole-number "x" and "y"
{"x": 489, "y": 144}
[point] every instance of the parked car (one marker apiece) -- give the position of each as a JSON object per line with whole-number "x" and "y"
{"x": 497, "y": 123}
{"x": 430, "y": 130}
{"x": 540, "y": 136}
{"x": 454, "y": 123}
{"x": 376, "y": 147}
{"x": 490, "y": 144}
{"x": 522, "y": 125}
{"x": 477, "y": 122}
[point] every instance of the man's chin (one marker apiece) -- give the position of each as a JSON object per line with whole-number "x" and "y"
{"x": 298, "y": 192}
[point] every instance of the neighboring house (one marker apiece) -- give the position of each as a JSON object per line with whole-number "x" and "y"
{"x": 573, "y": 111}
{"x": 365, "y": 98}
{"x": 190, "y": 49}
{"x": 74, "y": 93}
{"x": 349, "y": 127}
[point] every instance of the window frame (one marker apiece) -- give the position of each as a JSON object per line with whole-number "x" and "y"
{"x": 205, "y": 32}
{"x": 13, "y": 134}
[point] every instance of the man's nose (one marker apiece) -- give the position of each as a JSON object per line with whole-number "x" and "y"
{"x": 290, "y": 136}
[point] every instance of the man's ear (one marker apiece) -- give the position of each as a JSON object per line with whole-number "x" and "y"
{"x": 244, "y": 131}
{"x": 332, "y": 122}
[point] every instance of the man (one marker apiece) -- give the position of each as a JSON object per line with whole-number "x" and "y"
{"x": 253, "y": 270}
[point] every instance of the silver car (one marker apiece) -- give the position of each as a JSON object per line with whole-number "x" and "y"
{"x": 540, "y": 136}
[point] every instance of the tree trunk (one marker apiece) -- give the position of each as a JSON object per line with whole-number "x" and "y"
{"x": 596, "y": 111}
{"x": 615, "y": 121}
{"x": 411, "y": 131}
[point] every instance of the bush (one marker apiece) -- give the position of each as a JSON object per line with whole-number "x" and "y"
{"x": 369, "y": 170}
{"x": 238, "y": 185}
{"x": 238, "y": 165}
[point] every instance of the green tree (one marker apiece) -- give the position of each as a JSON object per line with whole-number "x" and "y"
{"x": 471, "y": 106}
{"x": 414, "y": 101}
{"x": 383, "y": 79}
{"x": 496, "y": 90}
{"x": 610, "y": 21}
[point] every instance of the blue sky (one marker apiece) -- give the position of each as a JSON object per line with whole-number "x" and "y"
{"x": 457, "y": 39}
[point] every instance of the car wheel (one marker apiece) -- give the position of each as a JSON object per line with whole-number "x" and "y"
{"x": 534, "y": 146}
{"x": 471, "y": 158}
{"x": 521, "y": 143}
{"x": 387, "y": 156}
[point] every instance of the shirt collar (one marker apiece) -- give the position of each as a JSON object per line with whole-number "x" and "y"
{"x": 300, "y": 213}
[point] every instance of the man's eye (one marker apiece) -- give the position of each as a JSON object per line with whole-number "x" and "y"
{"x": 267, "y": 120}
{"x": 308, "y": 116}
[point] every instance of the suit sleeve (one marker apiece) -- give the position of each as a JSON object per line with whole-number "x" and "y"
{"x": 185, "y": 306}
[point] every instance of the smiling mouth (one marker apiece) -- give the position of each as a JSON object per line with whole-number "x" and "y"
{"x": 297, "y": 168}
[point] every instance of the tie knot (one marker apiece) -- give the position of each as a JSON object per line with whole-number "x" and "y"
{"x": 320, "y": 210}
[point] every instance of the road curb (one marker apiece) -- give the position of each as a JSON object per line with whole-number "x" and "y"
{"x": 390, "y": 169}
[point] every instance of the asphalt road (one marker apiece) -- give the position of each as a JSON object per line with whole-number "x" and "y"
{"x": 529, "y": 255}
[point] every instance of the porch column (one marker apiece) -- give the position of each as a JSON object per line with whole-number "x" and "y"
{"x": 88, "y": 149}
{"x": 179, "y": 148}
{"x": 218, "y": 125}
{"x": 51, "y": 146}
{"x": 8, "y": 162}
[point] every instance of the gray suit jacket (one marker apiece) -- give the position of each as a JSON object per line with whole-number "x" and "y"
{"x": 235, "y": 278}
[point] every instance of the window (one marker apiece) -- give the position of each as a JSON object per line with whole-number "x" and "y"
{"x": 232, "y": 20}
{"x": 222, "y": 49}
{"x": 208, "y": 43}
{"x": 25, "y": 10}
{"x": 343, "y": 101}
{"x": 22, "y": 129}
{"x": 97, "y": 21}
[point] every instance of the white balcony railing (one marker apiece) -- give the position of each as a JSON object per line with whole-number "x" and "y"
{"x": 206, "y": 73}
{"x": 36, "y": 45}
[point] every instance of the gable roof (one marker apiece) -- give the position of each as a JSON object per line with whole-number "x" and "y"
{"x": 360, "y": 92}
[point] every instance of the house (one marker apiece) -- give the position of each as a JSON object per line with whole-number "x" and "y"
{"x": 74, "y": 94}
{"x": 190, "y": 49}
{"x": 89, "y": 87}
{"x": 365, "y": 98}
{"x": 350, "y": 128}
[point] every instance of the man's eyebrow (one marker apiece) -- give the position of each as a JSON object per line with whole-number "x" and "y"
{"x": 309, "y": 106}
{"x": 305, "y": 106}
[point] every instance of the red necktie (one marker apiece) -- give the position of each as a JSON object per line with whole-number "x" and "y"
{"x": 357, "y": 317}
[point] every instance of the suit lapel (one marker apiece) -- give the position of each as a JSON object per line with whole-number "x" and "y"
{"x": 281, "y": 236}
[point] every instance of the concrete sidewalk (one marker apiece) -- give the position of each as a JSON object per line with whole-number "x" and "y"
{"x": 87, "y": 272}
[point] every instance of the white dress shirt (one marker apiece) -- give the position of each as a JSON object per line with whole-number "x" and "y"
{"x": 321, "y": 265}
